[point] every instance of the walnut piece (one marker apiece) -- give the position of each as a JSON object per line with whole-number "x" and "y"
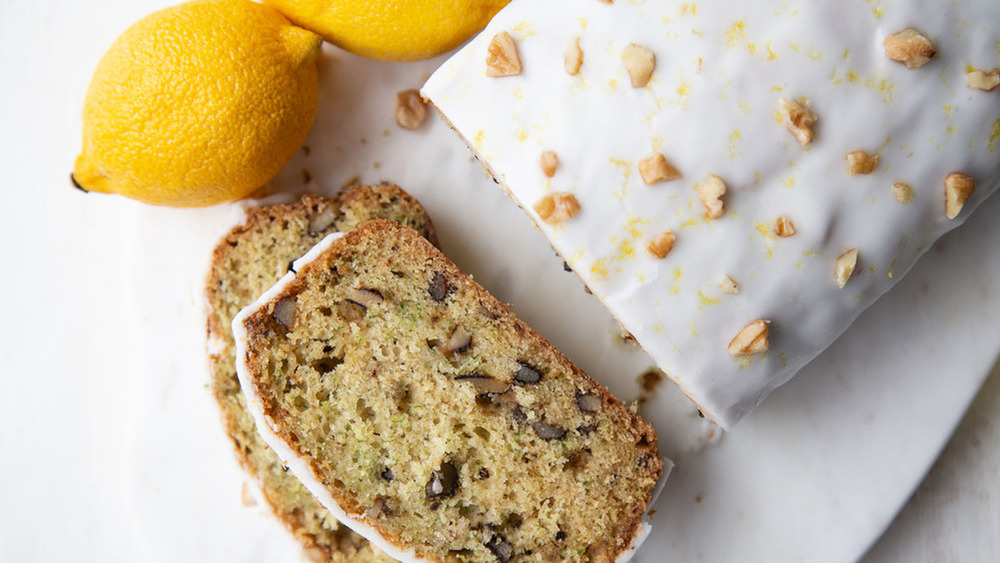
{"x": 656, "y": 169}
{"x": 844, "y": 266}
{"x": 661, "y": 244}
{"x": 860, "y": 162}
{"x": 783, "y": 227}
{"x": 902, "y": 192}
{"x": 285, "y": 311}
{"x": 556, "y": 208}
{"x": 501, "y": 57}
{"x": 639, "y": 62}
{"x": 411, "y": 110}
{"x": 710, "y": 191}
{"x": 246, "y": 496}
{"x": 549, "y": 161}
{"x": 983, "y": 80}
{"x": 573, "y": 57}
{"x": 729, "y": 285}
{"x": 798, "y": 119}
{"x": 321, "y": 220}
{"x": 459, "y": 341}
{"x": 909, "y": 47}
{"x": 958, "y": 188}
{"x": 751, "y": 340}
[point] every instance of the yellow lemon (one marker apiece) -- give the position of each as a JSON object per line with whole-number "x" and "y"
{"x": 392, "y": 30}
{"x": 198, "y": 104}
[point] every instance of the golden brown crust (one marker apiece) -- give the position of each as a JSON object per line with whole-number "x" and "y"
{"x": 248, "y": 260}
{"x": 636, "y": 435}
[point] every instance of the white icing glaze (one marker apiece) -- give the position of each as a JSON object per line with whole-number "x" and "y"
{"x": 711, "y": 108}
{"x": 299, "y": 465}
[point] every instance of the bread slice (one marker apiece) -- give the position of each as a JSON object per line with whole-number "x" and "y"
{"x": 424, "y": 414}
{"x": 248, "y": 260}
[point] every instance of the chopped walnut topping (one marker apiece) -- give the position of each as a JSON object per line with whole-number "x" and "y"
{"x": 902, "y": 192}
{"x": 549, "y": 161}
{"x": 751, "y": 340}
{"x": 710, "y": 191}
{"x": 661, "y": 244}
{"x": 798, "y": 119}
{"x": 411, "y": 109}
{"x": 729, "y": 285}
{"x": 958, "y": 188}
{"x": 844, "y": 266}
{"x": 556, "y": 208}
{"x": 656, "y": 169}
{"x": 501, "y": 58}
{"x": 860, "y": 162}
{"x": 783, "y": 227}
{"x": 639, "y": 62}
{"x": 573, "y": 57}
{"x": 909, "y": 47}
{"x": 982, "y": 80}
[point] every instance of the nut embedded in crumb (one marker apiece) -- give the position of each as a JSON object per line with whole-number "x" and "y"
{"x": 729, "y": 285}
{"x": 321, "y": 220}
{"x": 710, "y": 191}
{"x": 798, "y": 119}
{"x": 661, "y": 244}
{"x": 783, "y": 227}
{"x": 501, "y": 57}
{"x": 844, "y": 266}
{"x": 556, "y": 208}
{"x": 459, "y": 341}
{"x": 860, "y": 162}
{"x": 958, "y": 188}
{"x": 902, "y": 192}
{"x": 656, "y": 169}
{"x": 549, "y": 161}
{"x": 573, "y": 57}
{"x": 751, "y": 340}
{"x": 639, "y": 62}
{"x": 284, "y": 311}
{"x": 909, "y": 47}
{"x": 411, "y": 109}
{"x": 982, "y": 80}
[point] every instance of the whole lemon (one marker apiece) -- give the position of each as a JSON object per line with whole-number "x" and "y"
{"x": 392, "y": 30}
{"x": 198, "y": 104}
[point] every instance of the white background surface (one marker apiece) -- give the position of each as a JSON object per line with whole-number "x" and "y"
{"x": 110, "y": 445}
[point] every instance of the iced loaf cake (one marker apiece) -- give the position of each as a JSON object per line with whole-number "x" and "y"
{"x": 430, "y": 419}
{"x": 247, "y": 261}
{"x": 736, "y": 181}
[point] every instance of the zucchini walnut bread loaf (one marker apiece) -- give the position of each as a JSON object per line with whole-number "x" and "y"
{"x": 736, "y": 182}
{"x": 424, "y": 414}
{"x": 247, "y": 261}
